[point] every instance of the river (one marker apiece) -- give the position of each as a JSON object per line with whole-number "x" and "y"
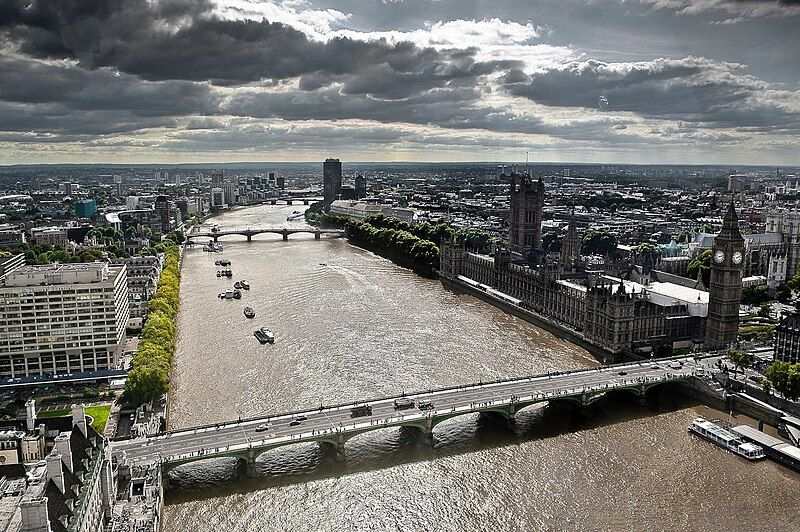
{"x": 350, "y": 325}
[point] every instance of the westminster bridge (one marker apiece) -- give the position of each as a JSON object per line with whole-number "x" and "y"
{"x": 333, "y": 426}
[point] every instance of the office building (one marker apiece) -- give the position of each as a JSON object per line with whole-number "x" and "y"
{"x": 331, "y": 181}
{"x": 85, "y": 208}
{"x": 787, "y": 339}
{"x": 62, "y": 318}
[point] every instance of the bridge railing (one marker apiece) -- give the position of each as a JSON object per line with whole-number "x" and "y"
{"x": 479, "y": 384}
{"x": 403, "y": 418}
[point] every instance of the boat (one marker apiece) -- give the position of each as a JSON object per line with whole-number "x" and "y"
{"x": 250, "y": 313}
{"x": 264, "y": 336}
{"x": 237, "y": 294}
{"x": 217, "y": 263}
{"x": 715, "y": 432}
{"x": 224, "y": 262}
{"x": 228, "y": 294}
{"x": 245, "y": 285}
{"x": 237, "y": 285}
{"x": 224, "y": 273}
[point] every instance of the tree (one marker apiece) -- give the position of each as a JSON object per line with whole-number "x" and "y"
{"x": 764, "y": 311}
{"x": 647, "y": 250}
{"x": 741, "y": 359}
{"x": 599, "y": 243}
{"x": 551, "y": 241}
{"x": 702, "y": 264}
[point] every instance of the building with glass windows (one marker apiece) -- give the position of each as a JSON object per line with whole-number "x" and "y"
{"x": 62, "y": 318}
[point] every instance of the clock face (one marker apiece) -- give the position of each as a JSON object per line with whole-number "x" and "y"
{"x": 737, "y": 257}
{"x": 719, "y": 256}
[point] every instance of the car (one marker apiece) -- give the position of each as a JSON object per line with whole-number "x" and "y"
{"x": 676, "y": 364}
{"x": 425, "y": 405}
{"x": 403, "y": 403}
{"x": 262, "y": 427}
{"x": 623, "y": 372}
{"x": 294, "y": 423}
{"x": 301, "y": 417}
{"x": 755, "y": 378}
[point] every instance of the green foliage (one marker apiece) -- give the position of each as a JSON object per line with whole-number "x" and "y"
{"x": 551, "y": 241}
{"x": 701, "y": 263}
{"x": 400, "y": 243}
{"x": 646, "y": 250}
{"x": 741, "y": 359}
{"x": 599, "y": 243}
{"x": 149, "y": 378}
{"x": 755, "y": 295}
{"x": 762, "y": 333}
{"x": 785, "y": 378}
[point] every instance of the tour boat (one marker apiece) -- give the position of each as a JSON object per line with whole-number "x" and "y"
{"x": 237, "y": 285}
{"x": 715, "y": 433}
{"x": 264, "y": 336}
{"x": 249, "y": 312}
{"x": 245, "y": 285}
{"x": 237, "y": 294}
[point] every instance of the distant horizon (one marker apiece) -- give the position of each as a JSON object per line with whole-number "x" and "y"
{"x": 398, "y": 163}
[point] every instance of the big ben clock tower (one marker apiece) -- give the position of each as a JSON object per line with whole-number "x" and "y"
{"x": 725, "y": 288}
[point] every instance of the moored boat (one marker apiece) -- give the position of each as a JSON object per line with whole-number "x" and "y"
{"x": 249, "y": 312}
{"x": 714, "y": 432}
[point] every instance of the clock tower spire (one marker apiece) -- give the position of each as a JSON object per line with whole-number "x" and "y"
{"x": 725, "y": 288}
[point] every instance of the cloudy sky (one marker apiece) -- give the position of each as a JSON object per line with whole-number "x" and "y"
{"x": 628, "y": 81}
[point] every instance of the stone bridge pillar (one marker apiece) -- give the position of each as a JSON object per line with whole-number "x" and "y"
{"x": 249, "y": 237}
{"x": 305, "y": 202}
{"x": 216, "y": 236}
{"x": 272, "y": 202}
{"x": 288, "y": 202}
{"x": 340, "y": 454}
{"x": 316, "y": 235}
{"x": 251, "y": 464}
{"x": 285, "y": 234}
{"x": 165, "y": 485}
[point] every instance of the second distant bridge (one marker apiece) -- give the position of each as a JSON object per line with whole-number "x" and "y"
{"x": 249, "y": 233}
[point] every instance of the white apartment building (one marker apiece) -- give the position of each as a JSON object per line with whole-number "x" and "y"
{"x": 62, "y": 318}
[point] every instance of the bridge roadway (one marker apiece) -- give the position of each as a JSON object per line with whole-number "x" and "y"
{"x": 249, "y": 233}
{"x": 333, "y": 426}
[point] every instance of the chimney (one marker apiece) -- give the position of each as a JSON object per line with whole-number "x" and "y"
{"x": 30, "y": 409}
{"x": 63, "y": 449}
{"x": 35, "y": 517}
{"x": 55, "y": 471}
{"x": 79, "y": 418}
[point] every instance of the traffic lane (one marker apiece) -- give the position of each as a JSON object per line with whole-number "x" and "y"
{"x": 449, "y": 399}
{"x": 237, "y": 436}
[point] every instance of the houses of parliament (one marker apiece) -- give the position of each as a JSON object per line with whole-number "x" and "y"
{"x": 620, "y": 307}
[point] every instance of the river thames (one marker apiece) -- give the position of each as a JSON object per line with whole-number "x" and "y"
{"x": 350, "y": 325}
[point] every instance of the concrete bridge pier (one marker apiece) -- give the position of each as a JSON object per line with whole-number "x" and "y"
{"x": 285, "y": 234}
{"x": 316, "y": 235}
{"x": 250, "y": 470}
{"x": 289, "y": 202}
{"x": 249, "y": 237}
{"x": 305, "y": 202}
{"x": 216, "y": 237}
{"x": 273, "y": 202}
{"x": 423, "y": 434}
{"x": 164, "y": 479}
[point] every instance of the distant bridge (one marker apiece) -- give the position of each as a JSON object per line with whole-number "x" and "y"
{"x": 333, "y": 426}
{"x": 249, "y": 233}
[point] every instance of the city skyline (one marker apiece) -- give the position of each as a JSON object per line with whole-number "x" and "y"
{"x": 632, "y": 82}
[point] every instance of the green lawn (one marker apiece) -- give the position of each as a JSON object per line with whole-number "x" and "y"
{"x": 99, "y": 414}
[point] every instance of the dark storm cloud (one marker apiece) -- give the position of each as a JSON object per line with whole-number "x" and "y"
{"x": 179, "y": 39}
{"x": 56, "y": 121}
{"x": 691, "y": 89}
{"x": 31, "y": 82}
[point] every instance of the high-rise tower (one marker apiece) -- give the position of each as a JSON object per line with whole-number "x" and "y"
{"x": 571, "y": 246}
{"x": 725, "y": 287}
{"x": 331, "y": 181}
{"x": 525, "y": 214}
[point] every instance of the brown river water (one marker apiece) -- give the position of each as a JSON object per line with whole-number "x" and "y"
{"x": 350, "y": 325}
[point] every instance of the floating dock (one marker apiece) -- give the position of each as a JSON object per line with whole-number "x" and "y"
{"x": 776, "y": 449}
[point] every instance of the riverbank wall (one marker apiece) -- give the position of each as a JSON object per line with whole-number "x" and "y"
{"x": 603, "y": 355}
